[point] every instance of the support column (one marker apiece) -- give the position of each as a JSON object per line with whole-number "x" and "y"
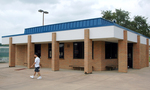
{"x": 55, "y": 53}
{"x": 30, "y": 52}
{"x": 136, "y": 54}
{"x": 147, "y": 52}
{"x": 122, "y": 54}
{"x": 87, "y": 52}
{"x": 11, "y": 53}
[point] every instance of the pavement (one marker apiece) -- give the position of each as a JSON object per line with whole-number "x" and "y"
{"x": 17, "y": 78}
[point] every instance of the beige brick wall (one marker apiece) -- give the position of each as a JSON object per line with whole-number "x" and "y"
{"x": 99, "y": 62}
{"x": 63, "y": 63}
{"x": 136, "y": 54}
{"x": 21, "y": 55}
{"x": 147, "y": 52}
{"x": 55, "y": 53}
{"x": 99, "y": 57}
{"x": 87, "y": 52}
{"x": 140, "y": 55}
{"x": 143, "y": 61}
{"x": 68, "y": 57}
{"x": 30, "y": 52}
{"x": 122, "y": 54}
{"x": 11, "y": 53}
{"x": 45, "y": 61}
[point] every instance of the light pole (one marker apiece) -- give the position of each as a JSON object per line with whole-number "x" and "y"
{"x": 44, "y": 12}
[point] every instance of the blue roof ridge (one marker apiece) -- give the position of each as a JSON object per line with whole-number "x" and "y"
{"x": 70, "y": 22}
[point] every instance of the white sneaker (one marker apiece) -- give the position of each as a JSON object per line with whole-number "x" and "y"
{"x": 32, "y": 76}
{"x": 39, "y": 77}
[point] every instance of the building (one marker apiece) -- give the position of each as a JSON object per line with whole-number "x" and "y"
{"x": 4, "y": 53}
{"x": 92, "y": 44}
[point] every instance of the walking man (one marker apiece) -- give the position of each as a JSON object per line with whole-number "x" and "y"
{"x": 37, "y": 66}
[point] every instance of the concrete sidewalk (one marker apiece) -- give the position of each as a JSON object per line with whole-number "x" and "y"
{"x": 14, "y": 79}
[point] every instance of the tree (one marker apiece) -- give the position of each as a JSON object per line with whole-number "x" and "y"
{"x": 121, "y": 16}
{"x": 108, "y": 15}
{"x": 138, "y": 24}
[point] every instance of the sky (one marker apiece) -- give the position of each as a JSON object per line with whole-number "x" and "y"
{"x": 16, "y": 15}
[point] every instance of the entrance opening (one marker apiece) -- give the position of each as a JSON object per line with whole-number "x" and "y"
{"x": 37, "y": 49}
{"x": 130, "y": 55}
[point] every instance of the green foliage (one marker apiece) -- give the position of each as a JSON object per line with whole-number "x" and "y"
{"x": 3, "y": 45}
{"x": 138, "y": 23}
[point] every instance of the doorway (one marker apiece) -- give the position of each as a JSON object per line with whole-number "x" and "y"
{"x": 38, "y": 49}
{"x": 130, "y": 55}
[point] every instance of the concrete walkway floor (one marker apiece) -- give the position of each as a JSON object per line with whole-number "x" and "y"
{"x": 17, "y": 78}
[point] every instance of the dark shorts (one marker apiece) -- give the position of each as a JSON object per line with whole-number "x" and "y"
{"x": 37, "y": 69}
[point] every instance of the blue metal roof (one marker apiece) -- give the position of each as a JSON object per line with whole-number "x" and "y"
{"x": 96, "y": 22}
{"x": 88, "y": 23}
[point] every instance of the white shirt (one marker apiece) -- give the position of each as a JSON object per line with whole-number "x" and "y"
{"x": 37, "y": 62}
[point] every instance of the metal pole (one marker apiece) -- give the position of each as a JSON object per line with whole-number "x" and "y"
{"x": 43, "y": 18}
{"x": 44, "y": 12}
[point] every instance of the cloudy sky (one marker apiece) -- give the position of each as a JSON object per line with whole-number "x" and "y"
{"x": 16, "y": 15}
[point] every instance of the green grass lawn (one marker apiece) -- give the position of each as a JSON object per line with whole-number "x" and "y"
{"x": 149, "y": 59}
